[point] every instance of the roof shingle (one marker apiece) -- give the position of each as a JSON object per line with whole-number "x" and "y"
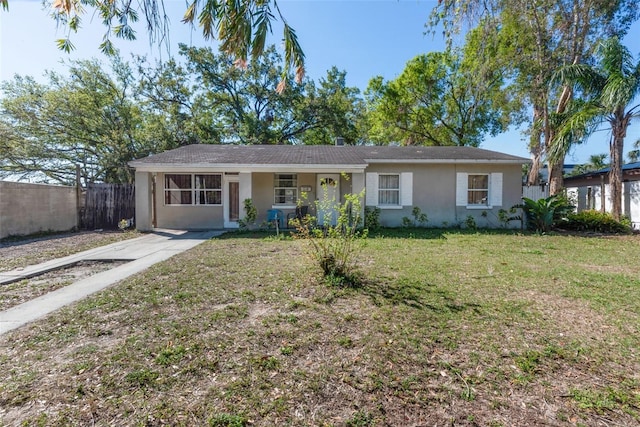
{"x": 317, "y": 155}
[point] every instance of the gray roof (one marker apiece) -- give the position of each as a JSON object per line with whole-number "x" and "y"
{"x": 213, "y": 154}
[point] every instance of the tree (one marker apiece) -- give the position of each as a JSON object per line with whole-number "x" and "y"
{"x": 435, "y": 101}
{"x": 596, "y": 162}
{"x": 535, "y": 37}
{"x": 339, "y": 110}
{"x": 86, "y": 119}
{"x": 609, "y": 87}
{"x": 240, "y": 26}
{"x": 172, "y": 114}
{"x": 241, "y": 105}
{"x": 634, "y": 155}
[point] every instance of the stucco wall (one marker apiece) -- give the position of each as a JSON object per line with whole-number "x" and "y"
{"x": 32, "y": 208}
{"x": 434, "y": 192}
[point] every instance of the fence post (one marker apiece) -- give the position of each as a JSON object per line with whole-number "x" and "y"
{"x": 78, "y": 198}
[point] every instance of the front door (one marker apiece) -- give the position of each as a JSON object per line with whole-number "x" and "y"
{"x": 328, "y": 185}
{"x": 232, "y": 202}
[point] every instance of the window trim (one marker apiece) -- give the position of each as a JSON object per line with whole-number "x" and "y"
{"x": 396, "y": 205}
{"x": 495, "y": 191}
{"x": 286, "y": 203}
{"x": 405, "y": 186}
{"x": 194, "y": 190}
{"x": 487, "y": 204}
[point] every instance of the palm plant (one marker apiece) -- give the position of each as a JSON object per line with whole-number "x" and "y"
{"x": 608, "y": 90}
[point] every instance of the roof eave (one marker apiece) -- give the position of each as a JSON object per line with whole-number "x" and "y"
{"x": 451, "y": 161}
{"x": 232, "y": 167}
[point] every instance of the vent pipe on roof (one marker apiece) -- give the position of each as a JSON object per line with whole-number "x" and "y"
{"x": 339, "y": 141}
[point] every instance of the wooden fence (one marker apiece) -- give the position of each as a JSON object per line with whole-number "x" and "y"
{"x": 107, "y": 204}
{"x": 535, "y": 192}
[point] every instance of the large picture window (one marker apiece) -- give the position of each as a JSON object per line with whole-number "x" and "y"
{"x": 193, "y": 189}
{"x": 285, "y": 187}
{"x": 389, "y": 190}
{"x": 478, "y": 189}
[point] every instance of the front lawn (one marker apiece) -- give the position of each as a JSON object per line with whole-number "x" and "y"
{"x": 449, "y": 328}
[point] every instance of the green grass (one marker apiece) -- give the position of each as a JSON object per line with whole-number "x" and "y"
{"x": 448, "y": 327}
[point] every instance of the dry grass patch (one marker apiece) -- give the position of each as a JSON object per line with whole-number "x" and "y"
{"x": 448, "y": 329}
{"x": 24, "y": 251}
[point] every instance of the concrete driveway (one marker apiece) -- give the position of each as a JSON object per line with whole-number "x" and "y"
{"x": 141, "y": 253}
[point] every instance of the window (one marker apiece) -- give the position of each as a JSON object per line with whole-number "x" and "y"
{"x": 208, "y": 189}
{"x": 285, "y": 189}
{"x": 193, "y": 189}
{"x": 478, "y": 189}
{"x": 177, "y": 189}
{"x": 389, "y": 190}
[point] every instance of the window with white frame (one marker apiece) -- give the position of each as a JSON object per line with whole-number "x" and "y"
{"x": 389, "y": 189}
{"x": 193, "y": 189}
{"x": 285, "y": 188}
{"x": 478, "y": 189}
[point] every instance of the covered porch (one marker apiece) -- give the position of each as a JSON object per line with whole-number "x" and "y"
{"x": 214, "y": 199}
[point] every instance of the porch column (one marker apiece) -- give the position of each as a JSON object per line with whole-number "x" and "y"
{"x": 357, "y": 185}
{"x": 245, "y": 190}
{"x": 143, "y": 201}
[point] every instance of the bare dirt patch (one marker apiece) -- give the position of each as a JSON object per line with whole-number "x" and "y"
{"x": 17, "y": 293}
{"x": 20, "y": 253}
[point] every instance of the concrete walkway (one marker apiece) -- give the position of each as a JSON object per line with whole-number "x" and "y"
{"x": 142, "y": 252}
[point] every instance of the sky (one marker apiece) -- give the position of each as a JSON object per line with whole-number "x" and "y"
{"x": 365, "y": 38}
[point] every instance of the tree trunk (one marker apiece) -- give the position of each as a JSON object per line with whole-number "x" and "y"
{"x": 535, "y": 148}
{"x": 618, "y": 131}
{"x": 556, "y": 180}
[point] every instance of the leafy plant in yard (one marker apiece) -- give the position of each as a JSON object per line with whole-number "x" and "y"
{"x": 335, "y": 237}
{"x": 543, "y": 214}
{"x": 419, "y": 218}
{"x": 592, "y": 220}
{"x": 251, "y": 213}
{"x": 470, "y": 223}
{"x": 372, "y": 218}
{"x": 506, "y": 216}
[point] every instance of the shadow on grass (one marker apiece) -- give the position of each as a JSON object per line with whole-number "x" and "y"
{"x": 438, "y": 233}
{"x": 414, "y": 294}
{"x": 382, "y": 233}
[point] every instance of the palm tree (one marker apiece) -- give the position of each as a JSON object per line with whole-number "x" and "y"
{"x": 608, "y": 89}
{"x": 596, "y": 162}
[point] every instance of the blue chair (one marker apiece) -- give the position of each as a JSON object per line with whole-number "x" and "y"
{"x": 276, "y": 216}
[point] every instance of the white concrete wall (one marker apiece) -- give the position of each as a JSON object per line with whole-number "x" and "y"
{"x": 32, "y": 208}
{"x": 630, "y": 199}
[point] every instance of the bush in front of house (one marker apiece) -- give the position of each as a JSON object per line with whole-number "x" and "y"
{"x": 592, "y": 220}
{"x": 544, "y": 214}
{"x": 335, "y": 237}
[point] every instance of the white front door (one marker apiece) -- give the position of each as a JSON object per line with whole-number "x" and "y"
{"x": 328, "y": 186}
{"x": 231, "y": 201}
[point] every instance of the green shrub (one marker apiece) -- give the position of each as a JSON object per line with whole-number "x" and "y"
{"x": 470, "y": 223}
{"x": 335, "y": 239}
{"x": 592, "y": 220}
{"x": 372, "y": 218}
{"x": 251, "y": 214}
{"x": 544, "y": 214}
{"x": 420, "y": 218}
